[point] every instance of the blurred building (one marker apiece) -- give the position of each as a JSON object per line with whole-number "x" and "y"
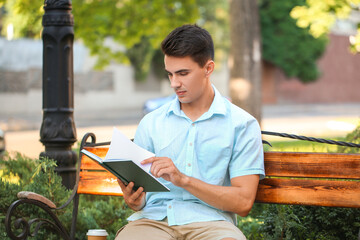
{"x": 112, "y": 89}
{"x": 340, "y": 77}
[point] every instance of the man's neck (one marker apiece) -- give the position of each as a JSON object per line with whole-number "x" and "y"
{"x": 196, "y": 109}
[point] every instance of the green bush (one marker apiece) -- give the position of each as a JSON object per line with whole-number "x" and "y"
{"x": 353, "y": 137}
{"x": 37, "y": 175}
{"x": 250, "y": 225}
{"x": 309, "y": 222}
{"x": 101, "y": 212}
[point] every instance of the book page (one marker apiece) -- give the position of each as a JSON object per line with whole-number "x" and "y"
{"x": 123, "y": 148}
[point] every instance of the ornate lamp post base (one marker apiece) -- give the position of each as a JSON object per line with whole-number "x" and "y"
{"x": 58, "y": 132}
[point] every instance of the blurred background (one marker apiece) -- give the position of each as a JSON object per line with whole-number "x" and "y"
{"x": 291, "y": 64}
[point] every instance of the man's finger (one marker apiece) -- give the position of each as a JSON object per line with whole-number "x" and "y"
{"x": 137, "y": 194}
{"x": 122, "y": 185}
{"x": 126, "y": 189}
{"x": 148, "y": 160}
{"x": 155, "y": 168}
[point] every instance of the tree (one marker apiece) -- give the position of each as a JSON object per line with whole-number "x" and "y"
{"x": 113, "y": 30}
{"x": 125, "y": 31}
{"x": 138, "y": 26}
{"x": 25, "y": 16}
{"x": 319, "y": 17}
{"x": 287, "y": 46}
{"x": 245, "y": 56}
{"x": 284, "y": 44}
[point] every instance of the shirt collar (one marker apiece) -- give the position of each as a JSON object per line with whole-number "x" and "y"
{"x": 217, "y": 106}
{"x": 174, "y": 107}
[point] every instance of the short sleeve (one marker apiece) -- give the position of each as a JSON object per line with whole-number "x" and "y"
{"x": 248, "y": 154}
{"x": 142, "y": 136}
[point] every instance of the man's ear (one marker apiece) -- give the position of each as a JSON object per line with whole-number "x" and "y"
{"x": 209, "y": 67}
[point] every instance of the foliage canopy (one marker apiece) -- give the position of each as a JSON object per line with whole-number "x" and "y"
{"x": 138, "y": 26}
{"x": 286, "y": 45}
{"x": 319, "y": 17}
{"x": 131, "y": 31}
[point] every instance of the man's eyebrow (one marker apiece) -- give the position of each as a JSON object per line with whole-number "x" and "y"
{"x": 178, "y": 71}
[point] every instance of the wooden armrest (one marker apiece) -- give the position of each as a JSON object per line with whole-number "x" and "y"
{"x": 35, "y": 196}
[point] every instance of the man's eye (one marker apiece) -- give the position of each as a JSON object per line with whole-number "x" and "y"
{"x": 183, "y": 73}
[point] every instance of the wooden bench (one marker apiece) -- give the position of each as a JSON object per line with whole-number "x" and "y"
{"x": 318, "y": 179}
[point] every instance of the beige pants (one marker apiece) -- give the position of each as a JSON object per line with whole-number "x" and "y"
{"x": 159, "y": 230}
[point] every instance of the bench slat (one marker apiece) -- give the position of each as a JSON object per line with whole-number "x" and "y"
{"x": 98, "y": 183}
{"x": 318, "y": 165}
{"x": 100, "y": 151}
{"x": 309, "y": 192}
{"x": 89, "y": 164}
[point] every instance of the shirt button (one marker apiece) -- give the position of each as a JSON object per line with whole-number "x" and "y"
{"x": 169, "y": 206}
{"x": 193, "y": 124}
{"x": 189, "y": 164}
{"x": 190, "y": 144}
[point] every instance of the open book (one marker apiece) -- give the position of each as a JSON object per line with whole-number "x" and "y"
{"x": 123, "y": 160}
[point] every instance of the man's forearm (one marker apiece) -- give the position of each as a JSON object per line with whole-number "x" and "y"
{"x": 238, "y": 199}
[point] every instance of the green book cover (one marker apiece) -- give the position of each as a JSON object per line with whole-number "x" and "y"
{"x": 128, "y": 171}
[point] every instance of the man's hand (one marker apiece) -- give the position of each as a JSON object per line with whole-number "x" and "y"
{"x": 134, "y": 199}
{"x": 165, "y": 168}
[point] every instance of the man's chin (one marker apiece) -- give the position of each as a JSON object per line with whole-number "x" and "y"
{"x": 184, "y": 100}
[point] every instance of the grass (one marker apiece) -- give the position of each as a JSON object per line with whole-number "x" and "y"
{"x": 301, "y": 146}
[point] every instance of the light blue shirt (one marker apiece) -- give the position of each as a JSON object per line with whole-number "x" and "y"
{"x": 223, "y": 143}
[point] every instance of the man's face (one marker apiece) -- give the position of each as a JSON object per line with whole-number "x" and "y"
{"x": 187, "y": 78}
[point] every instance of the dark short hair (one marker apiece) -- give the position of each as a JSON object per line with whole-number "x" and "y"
{"x": 189, "y": 40}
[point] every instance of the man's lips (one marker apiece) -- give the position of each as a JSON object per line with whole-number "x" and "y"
{"x": 180, "y": 93}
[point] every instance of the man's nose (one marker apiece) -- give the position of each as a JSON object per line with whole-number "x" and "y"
{"x": 174, "y": 82}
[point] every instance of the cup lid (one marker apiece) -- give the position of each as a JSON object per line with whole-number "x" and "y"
{"x": 97, "y": 232}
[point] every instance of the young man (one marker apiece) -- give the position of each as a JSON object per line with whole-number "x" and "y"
{"x": 208, "y": 152}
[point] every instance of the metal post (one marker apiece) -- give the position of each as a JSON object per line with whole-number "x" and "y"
{"x": 58, "y": 132}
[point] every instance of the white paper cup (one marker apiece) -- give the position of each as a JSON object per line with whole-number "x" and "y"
{"x": 97, "y": 234}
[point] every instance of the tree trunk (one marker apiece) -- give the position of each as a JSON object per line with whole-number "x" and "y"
{"x": 245, "y": 56}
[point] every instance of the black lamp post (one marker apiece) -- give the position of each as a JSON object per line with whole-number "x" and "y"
{"x": 58, "y": 132}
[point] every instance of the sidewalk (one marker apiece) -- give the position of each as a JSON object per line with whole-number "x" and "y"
{"x": 315, "y": 120}
{"x": 23, "y": 134}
